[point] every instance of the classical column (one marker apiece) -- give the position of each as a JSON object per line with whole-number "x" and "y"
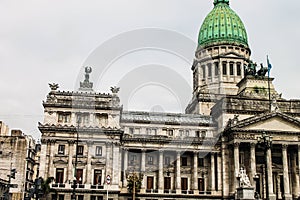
{"x": 286, "y": 181}
{"x": 178, "y": 177}
{"x": 160, "y": 172}
{"x": 89, "y": 164}
{"x": 195, "y": 172}
{"x": 70, "y": 164}
{"x": 225, "y": 174}
{"x": 143, "y": 169}
{"x": 125, "y": 161}
{"x": 219, "y": 171}
{"x": 278, "y": 187}
{"x": 236, "y": 163}
{"x": 295, "y": 178}
{"x": 252, "y": 163}
{"x": 212, "y": 169}
{"x": 270, "y": 172}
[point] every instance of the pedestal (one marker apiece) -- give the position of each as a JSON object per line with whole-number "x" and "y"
{"x": 245, "y": 193}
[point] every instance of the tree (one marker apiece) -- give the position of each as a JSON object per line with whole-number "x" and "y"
{"x": 45, "y": 187}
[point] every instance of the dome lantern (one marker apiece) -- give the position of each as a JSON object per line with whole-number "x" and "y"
{"x": 221, "y": 1}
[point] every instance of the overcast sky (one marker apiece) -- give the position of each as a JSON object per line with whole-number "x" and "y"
{"x": 46, "y": 41}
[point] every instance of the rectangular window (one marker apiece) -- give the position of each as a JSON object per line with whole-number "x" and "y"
{"x": 183, "y": 161}
{"x": 101, "y": 119}
{"x": 216, "y": 69}
{"x": 80, "y": 150}
{"x": 200, "y": 162}
{"x": 59, "y": 178}
{"x": 80, "y": 197}
{"x": 97, "y": 177}
{"x": 98, "y": 151}
{"x": 133, "y": 159}
{"x": 150, "y": 160}
{"x": 203, "y": 71}
{"x": 201, "y": 184}
{"x": 131, "y": 130}
{"x": 238, "y": 69}
{"x": 181, "y": 133}
{"x": 209, "y": 70}
{"x": 149, "y": 183}
{"x": 61, "y": 197}
{"x": 224, "y": 68}
{"x": 79, "y": 176}
{"x": 167, "y": 183}
{"x": 231, "y": 69}
{"x": 83, "y": 118}
{"x": 64, "y": 117}
{"x": 197, "y": 133}
{"x": 184, "y": 184}
{"x": 61, "y": 149}
{"x": 170, "y": 132}
{"x": 167, "y": 160}
{"x": 187, "y": 133}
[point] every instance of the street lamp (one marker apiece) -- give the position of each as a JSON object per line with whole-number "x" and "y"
{"x": 265, "y": 142}
{"x": 76, "y": 157}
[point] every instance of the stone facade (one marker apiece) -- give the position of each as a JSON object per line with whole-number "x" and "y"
{"x": 17, "y": 151}
{"x": 196, "y": 155}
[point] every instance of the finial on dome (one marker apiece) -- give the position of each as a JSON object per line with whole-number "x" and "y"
{"x": 216, "y": 2}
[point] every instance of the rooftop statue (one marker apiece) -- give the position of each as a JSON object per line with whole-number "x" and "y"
{"x": 86, "y": 84}
{"x": 250, "y": 70}
{"x": 53, "y": 86}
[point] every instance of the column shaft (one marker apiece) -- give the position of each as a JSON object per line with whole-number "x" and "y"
{"x": 195, "y": 172}
{"x": 219, "y": 166}
{"x": 212, "y": 161}
{"x": 253, "y": 163}
{"x": 125, "y": 167}
{"x": 270, "y": 172}
{"x": 160, "y": 171}
{"x": 236, "y": 163}
{"x": 286, "y": 181}
{"x": 143, "y": 169}
{"x": 178, "y": 177}
{"x": 295, "y": 179}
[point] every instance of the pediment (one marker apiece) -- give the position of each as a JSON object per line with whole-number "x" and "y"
{"x": 231, "y": 55}
{"x": 277, "y": 122}
{"x": 274, "y": 124}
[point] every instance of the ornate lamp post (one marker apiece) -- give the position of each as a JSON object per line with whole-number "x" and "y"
{"x": 73, "y": 197}
{"x": 265, "y": 142}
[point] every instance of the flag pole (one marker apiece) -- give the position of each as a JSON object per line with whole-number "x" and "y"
{"x": 269, "y": 89}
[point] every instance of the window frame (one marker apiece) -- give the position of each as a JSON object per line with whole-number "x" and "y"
{"x": 61, "y": 151}
{"x": 80, "y": 150}
{"x": 98, "y": 151}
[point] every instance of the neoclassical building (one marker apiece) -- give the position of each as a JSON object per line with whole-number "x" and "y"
{"x": 234, "y": 115}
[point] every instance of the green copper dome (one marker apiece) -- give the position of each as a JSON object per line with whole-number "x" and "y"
{"x": 222, "y": 25}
